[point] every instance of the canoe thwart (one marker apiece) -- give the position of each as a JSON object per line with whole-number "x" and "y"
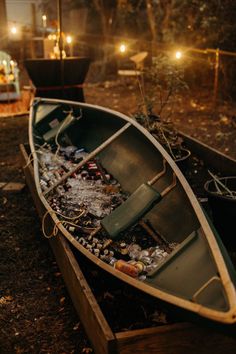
{"x": 95, "y": 152}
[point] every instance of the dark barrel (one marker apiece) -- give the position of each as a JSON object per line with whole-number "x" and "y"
{"x": 51, "y": 82}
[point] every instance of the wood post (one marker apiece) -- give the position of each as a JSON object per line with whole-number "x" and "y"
{"x": 216, "y": 78}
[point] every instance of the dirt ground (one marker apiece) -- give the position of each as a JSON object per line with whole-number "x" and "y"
{"x": 193, "y": 113}
{"x": 36, "y": 313}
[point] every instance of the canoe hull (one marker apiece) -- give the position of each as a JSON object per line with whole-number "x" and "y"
{"x": 133, "y": 158}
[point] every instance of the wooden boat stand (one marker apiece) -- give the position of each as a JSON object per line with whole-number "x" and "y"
{"x": 178, "y": 338}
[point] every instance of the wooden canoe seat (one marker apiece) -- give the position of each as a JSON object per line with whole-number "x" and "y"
{"x": 135, "y": 207}
{"x": 132, "y": 210}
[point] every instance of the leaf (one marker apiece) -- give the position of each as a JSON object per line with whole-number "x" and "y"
{"x": 87, "y": 350}
{"x": 58, "y": 274}
{"x": 159, "y": 317}
{"x": 108, "y": 295}
{"x": 5, "y": 299}
{"x": 62, "y": 300}
{"x": 76, "y": 327}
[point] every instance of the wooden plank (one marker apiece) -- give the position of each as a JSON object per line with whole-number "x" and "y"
{"x": 96, "y": 326}
{"x": 91, "y": 155}
{"x": 177, "y": 338}
{"x": 85, "y": 303}
{"x": 13, "y": 187}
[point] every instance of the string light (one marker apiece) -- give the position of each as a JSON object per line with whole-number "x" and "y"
{"x": 122, "y": 48}
{"x": 178, "y": 54}
{"x": 69, "y": 39}
{"x": 44, "y": 18}
{"x": 13, "y": 30}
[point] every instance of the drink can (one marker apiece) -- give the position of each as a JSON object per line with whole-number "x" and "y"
{"x": 126, "y": 268}
{"x": 138, "y": 264}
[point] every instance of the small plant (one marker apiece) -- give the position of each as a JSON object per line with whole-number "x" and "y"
{"x": 158, "y": 87}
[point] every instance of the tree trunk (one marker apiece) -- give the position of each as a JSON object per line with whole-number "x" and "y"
{"x": 151, "y": 19}
{"x": 3, "y": 24}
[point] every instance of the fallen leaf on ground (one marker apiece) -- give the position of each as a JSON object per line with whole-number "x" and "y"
{"x": 62, "y": 300}
{"x": 87, "y": 350}
{"x": 58, "y": 274}
{"x": 76, "y": 326}
{"x": 5, "y": 299}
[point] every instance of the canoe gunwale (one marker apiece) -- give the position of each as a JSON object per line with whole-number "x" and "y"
{"x": 224, "y": 317}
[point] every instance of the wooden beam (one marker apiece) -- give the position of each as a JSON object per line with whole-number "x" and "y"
{"x": 89, "y": 157}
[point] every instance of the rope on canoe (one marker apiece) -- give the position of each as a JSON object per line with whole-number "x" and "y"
{"x": 55, "y": 227}
{"x": 31, "y": 155}
{"x": 29, "y": 160}
{"x": 65, "y": 221}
